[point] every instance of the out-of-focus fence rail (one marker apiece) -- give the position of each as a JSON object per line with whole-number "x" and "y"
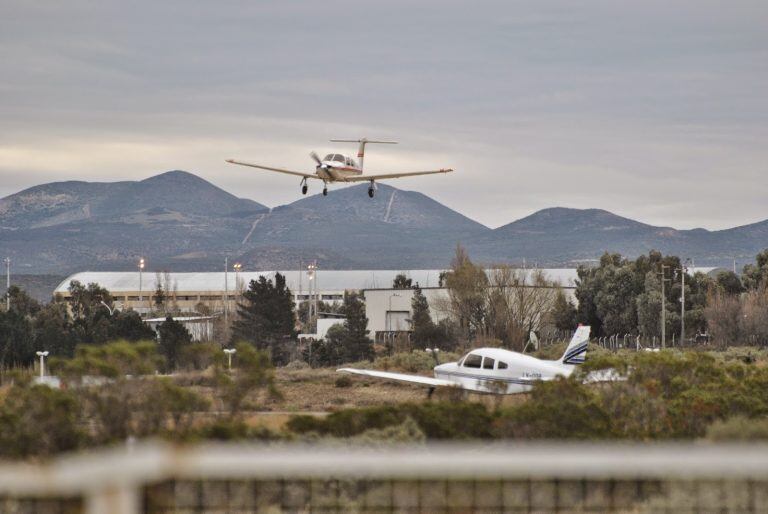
{"x": 159, "y": 478}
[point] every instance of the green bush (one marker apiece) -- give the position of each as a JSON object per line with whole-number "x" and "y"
{"x": 39, "y": 421}
{"x": 343, "y": 381}
{"x": 438, "y": 420}
{"x": 557, "y": 409}
{"x": 739, "y": 428}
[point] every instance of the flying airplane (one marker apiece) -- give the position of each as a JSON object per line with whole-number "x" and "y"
{"x": 336, "y": 167}
{"x": 495, "y": 370}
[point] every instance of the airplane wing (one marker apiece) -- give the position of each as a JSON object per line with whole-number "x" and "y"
{"x": 278, "y": 170}
{"x": 380, "y": 176}
{"x": 402, "y": 377}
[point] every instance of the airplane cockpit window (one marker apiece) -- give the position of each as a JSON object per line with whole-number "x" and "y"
{"x": 338, "y": 157}
{"x": 473, "y": 361}
{"x": 502, "y": 365}
{"x": 328, "y": 157}
{"x": 488, "y": 363}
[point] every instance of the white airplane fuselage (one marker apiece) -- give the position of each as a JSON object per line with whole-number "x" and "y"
{"x": 333, "y": 171}
{"x": 519, "y": 375}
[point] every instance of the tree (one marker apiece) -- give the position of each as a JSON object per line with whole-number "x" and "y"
{"x": 128, "y": 325}
{"x": 729, "y": 282}
{"x": 755, "y": 275}
{"x": 723, "y": 314}
{"x": 563, "y": 312}
{"x": 649, "y": 306}
{"x": 357, "y": 346}
{"x": 84, "y": 300}
{"x": 266, "y": 316}
{"x": 16, "y": 343}
{"x": 516, "y": 304}
{"x": 467, "y": 284}
{"x": 402, "y": 282}
{"x": 423, "y": 329}
{"x": 173, "y": 338}
{"x": 53, "y": 331}
{"x": 159, "y": 296}
{"x": 22, "y": 303}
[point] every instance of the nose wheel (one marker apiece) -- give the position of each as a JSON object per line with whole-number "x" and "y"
{"x": 325, "y": 191}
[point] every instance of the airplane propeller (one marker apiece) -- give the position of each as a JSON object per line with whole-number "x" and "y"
{"x": 316, "y": 158}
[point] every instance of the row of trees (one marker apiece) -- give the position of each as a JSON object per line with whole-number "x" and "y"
{"x": 622, "y": 296}
{"x": 497, "y": 306}
{"x": 503, "y": 305}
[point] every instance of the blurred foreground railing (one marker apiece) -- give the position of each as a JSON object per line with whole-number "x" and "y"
{"x": 158, "y": 478}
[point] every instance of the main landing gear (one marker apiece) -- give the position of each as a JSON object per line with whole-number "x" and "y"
{"x": 371, "y": 190}
{"x": 304, "y": 186}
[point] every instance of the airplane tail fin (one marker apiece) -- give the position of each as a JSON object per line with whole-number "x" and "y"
{"x": 361, "y": 149}
{"x": 577, "y": 348}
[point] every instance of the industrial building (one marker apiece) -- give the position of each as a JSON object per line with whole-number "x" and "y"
{"x": 388, "y": 310}
{"x": 184, "y": 291}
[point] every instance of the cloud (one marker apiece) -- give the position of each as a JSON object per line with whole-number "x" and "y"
{"x": 650, "y": 109}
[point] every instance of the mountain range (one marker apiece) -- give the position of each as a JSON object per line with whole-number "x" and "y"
{"x": 181, "y": 222}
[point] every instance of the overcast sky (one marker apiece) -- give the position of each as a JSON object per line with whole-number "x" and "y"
{"x": 656, "y": 110}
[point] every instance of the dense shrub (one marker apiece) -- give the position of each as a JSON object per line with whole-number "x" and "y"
{"x": 39, "y": 421}
{"x": 558, "y": 409}
{"x": 438, "y": 420}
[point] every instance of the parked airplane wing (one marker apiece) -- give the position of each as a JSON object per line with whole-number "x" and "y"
{"x": 278, "y": 170}
{"x": 380, "y": 176}
{"x": 402, "y": 377}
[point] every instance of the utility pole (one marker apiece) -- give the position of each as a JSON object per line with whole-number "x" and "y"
{"x": 312, "y": 272}
{"x": 683, "y": 270}
{"x": 7, "y": 284}
{"x": 663, "y": 307}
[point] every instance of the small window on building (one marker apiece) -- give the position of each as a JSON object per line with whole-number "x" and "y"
{"x": 488, "y": 363}
{"x": 502, "y": 365}
{"x": 473, "y": 361}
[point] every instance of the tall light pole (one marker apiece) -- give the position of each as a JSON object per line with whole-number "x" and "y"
{"x": 141, "y": 268}
{"x": 237, "y": 267}
{"x": 226, "y": 289}
{"x": 42, "y": 356}
{"x": 229, "y": 352}
{"x": 7, "y": 283}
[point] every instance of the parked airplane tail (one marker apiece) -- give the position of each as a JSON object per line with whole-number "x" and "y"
{"x": 577, "y": 348}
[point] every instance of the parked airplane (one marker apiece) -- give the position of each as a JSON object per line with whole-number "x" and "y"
{"x": 494, "y": 370}
{"x": 336, "y": 167}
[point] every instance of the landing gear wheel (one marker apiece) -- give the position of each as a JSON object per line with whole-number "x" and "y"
{"x": 325, "y": 191}
{"x": 304, "y": 189}
{"x": 370, "y": 192}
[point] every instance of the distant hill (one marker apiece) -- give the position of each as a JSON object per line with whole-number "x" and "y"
{"x": 173, "y": 195}
{"x": 560, "y": 236}
{"x": 395, "y": 229}
{"x": 181, "y": 222}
